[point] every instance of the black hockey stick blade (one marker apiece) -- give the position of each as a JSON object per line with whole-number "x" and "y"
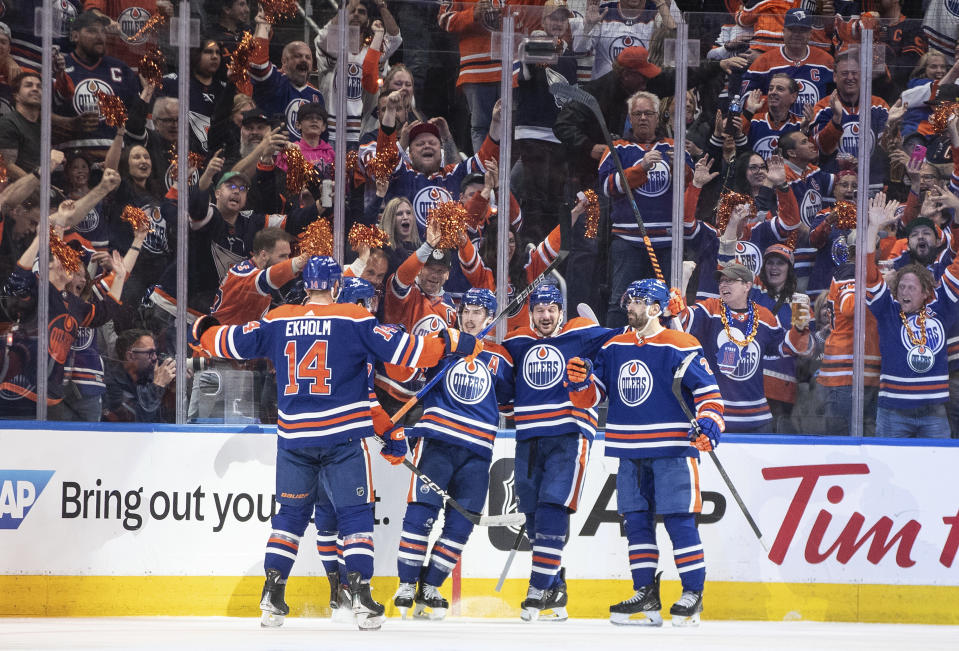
{"x": 504, "y": 520}
{"x": 678, "y": 392}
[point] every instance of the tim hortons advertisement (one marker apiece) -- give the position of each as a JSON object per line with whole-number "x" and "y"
{"x": 199, "y": 504}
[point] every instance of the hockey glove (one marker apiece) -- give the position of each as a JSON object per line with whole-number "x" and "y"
{"x": 707, "y": 437}
{"x": 460, "y": 344}
{"x": 676, "y": 303}
{"x": 195, "y": 335}
{"x": 394, "y": 445}
{"x": 578, "y": 371}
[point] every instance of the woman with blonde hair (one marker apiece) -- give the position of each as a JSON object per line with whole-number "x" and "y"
{"x": 400, "y": 226}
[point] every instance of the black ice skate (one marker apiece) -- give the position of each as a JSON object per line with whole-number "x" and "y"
{"x": 271, "y": 602}
{"x": 334, "y": 577}
{"x": 554, "y": 608}
{"x": 430, "y": 604}
{"x": 369, "y": 613}
{"x": 403, "y": 599}
{"x": 642, "y": 609}
{"x": 341, "y": 601}
{"x": 535, "y": 602}
{"x": 686, "y": 611}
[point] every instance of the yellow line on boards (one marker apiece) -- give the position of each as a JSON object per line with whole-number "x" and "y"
{"x": 91, "y": 596}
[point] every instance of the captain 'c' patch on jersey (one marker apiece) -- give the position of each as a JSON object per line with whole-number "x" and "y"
{"x": 543, "y": 366}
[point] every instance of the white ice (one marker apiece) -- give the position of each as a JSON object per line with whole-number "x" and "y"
{"x": 238, "y": 634}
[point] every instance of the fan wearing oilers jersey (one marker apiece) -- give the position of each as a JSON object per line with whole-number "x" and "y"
{"x": 281, "y": 90}
{"x": 609, "y": 28}
{"x": 553, "y": 437}
{"x": 88, "y": 72}
{"x": 454, "y": 449}
{"x": 736, "y": 334}
{"x": 746, "y": 233}
{"x": 658, "y": 451}
{"x": 321, "y": 351}
{"x": 647, "y": 161}
{"x": 416, "y": 301}
{"x": 913, "y": 315}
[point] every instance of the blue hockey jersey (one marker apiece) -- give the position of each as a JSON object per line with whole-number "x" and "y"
{"x": 463, "y": 408}
{"x": 739, "y": 368}
{"x": 636, "y": 374}
{"x": 913, "y": 374}
{"x": 652, "y": 190}
{"x": 542, "y": 403}
{"x": 320, "y": 353}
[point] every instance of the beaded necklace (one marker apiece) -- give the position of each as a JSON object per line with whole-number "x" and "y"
{"x": 752, "y": 324}
{"x": 920, "y": 324}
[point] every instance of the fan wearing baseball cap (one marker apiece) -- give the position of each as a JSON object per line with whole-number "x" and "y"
{"x": 738, "y": 335}
{"x": 609, "y": 30}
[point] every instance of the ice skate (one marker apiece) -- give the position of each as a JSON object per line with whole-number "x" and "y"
{"x": 344, "y": 612}
{"x": 430, "y": 604}
{"x": 686, "y": 611}
{"x": 554, "y": 608}
{"x": 334, "y": 578}
{"x": 271, "y": 602}
{"x": 642, "y": 609}
{"x": 403, "y": 599}
{"x": 535, "y": 602}
{"x": 369, "y": 613}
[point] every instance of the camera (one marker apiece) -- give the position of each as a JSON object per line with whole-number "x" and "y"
{"x": 540, "y": 49}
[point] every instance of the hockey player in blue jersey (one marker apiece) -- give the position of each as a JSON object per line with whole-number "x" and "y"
{"x": 647, "y": 430}
{"x": 458, "y": 427}
{"x": 321, "y": 352}
{"x": 329, "y": 544}
{"x": 553, "y": 437}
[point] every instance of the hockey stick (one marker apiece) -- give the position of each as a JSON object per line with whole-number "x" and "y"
{"x": 504, "y": 520}
{"x": 509, "y": 559}
{"x": 571, "y": 93}
{"x": 678, "y": 392}
{"x": 567, "y": 92}
{"x": 517, "y": 301}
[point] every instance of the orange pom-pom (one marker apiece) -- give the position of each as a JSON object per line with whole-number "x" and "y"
{"x": 151, "y": 66}
{"x": 275, "y": 10}
{"x": 352, "y": 161}
{"x": 3, "y": 170}
{"x": 299, "y": 171}
{"x": 942, "y": 114}
{"x": 239, "y": 69}
{"x": 383, "y": 164}
{"x": 194, "y": 160}
{"x": 112, "y": 108}
{"x": 372, "y": 236}
{"x": 155, "y": 21}
{"x": 68, "y": 256}
{"x": 136, "y": 217}
{"x": 845, "y": 213}
{"x": 316, "y": 239}
{"x": 451, "y": 218}
{"x": 592, "y": 213}
{"x": 727, "y": 202}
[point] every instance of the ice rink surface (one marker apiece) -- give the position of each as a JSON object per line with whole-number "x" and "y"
{"x": 237, "y": 634}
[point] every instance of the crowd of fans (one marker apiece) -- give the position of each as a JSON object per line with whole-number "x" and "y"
{"x": 771, "y": 152}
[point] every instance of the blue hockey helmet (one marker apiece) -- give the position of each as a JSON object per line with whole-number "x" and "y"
{"x": 356, "y": 290}
{"x": 544, "y": 295}
{"x": 482, "y": 297}
{"x": 649, "y": 290}
{"x": 321, "y": 272}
